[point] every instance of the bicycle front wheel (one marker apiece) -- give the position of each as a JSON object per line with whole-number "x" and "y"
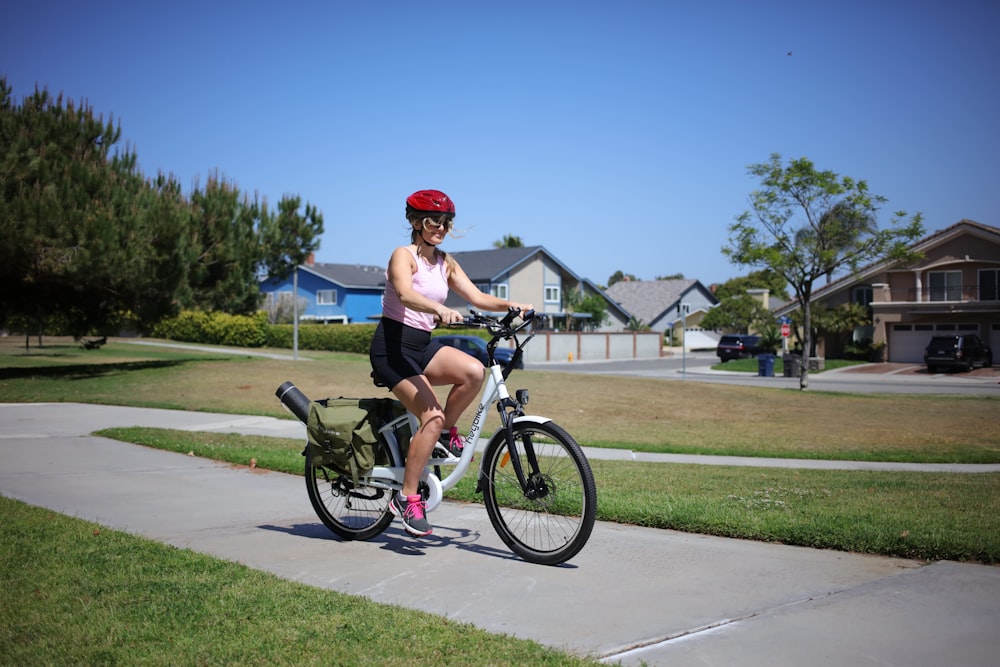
{"x": 550, "y": 518}
{"x": 353, "y": 513}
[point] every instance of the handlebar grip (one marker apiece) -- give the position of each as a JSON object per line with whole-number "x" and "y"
{"x": 293, "y": 399}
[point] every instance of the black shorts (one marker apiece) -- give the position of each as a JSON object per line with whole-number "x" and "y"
{"x": 399, "y": 351}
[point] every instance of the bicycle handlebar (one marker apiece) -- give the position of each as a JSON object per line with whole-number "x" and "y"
{"x": 498, "y": 327}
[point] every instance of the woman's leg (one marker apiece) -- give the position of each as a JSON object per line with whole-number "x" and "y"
{"x": 464, "y": 372}
{"x": 419, "y": 398}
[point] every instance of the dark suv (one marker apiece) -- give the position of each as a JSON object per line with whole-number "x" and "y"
{"x": 962, "y": 351}
{"x": 738, "y": 346}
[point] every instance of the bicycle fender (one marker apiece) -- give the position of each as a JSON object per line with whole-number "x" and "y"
{"x": 535, "y": 419}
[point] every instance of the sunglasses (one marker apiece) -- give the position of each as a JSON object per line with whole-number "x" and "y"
{"x": 436, "y": 224}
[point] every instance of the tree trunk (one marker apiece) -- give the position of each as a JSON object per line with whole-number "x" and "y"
{"x": 807, "y": 346}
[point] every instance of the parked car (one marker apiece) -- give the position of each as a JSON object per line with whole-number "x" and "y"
{"x": 961, "y": 351}
{"x": 476, "y": 346}
{"x": 738, "y": 346}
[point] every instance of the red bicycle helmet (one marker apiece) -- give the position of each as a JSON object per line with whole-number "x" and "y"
{"x": 430, "y": 201}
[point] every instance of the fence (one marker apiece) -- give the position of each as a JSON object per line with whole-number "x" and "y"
{"x": 579, "y": 346}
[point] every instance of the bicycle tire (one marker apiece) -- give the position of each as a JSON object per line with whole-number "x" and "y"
{"x": 554, "y": 526}
{"x": 352, "y": 513}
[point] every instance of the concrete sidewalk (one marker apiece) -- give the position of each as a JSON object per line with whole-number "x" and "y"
{"x": 633, "y": 595}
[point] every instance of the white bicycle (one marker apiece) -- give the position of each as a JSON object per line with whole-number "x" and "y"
{"x": 537, "y": 485}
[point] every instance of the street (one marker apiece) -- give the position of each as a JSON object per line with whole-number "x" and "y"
{"x": 866, "y": 379}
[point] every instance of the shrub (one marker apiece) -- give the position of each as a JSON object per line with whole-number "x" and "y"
{"x": 193, "y": 326}
{"x": 329, "y": 337}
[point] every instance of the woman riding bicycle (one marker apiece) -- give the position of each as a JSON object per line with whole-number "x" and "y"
{"x": 405, "y": 356}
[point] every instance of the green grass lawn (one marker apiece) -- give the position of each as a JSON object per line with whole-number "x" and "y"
{"x": 77, "y": 593}
{"x": 929, "y": 516}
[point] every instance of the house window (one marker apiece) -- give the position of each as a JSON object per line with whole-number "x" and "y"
{"x": 989, "y": 284}
{"x": 326, "y": 297}
{"x": 945, "y": 285}
{"x": 863, "y": 296}
{"x": 499, "y": 291}
{"x": 553, "y": 295}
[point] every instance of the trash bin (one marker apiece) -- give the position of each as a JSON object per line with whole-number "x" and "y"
{"x": 765, "y": 365}
{"x": 793, "y": 365}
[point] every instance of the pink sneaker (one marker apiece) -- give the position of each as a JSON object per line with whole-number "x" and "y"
{"x": 452, "y": 441}
{"x": 412, "y": 510}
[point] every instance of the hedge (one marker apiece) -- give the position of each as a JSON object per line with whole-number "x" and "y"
{"x": 254, "y": 331}
{"x": 331, "y": 337}
{"x": 215, "y": 328}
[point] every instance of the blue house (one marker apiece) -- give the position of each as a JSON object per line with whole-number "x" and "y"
{"x": 341, "y": 293}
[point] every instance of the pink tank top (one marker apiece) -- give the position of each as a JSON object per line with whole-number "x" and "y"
{"x": 430, "y": 281}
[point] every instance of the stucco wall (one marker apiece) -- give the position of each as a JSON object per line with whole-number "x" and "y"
{"x": 558, "y": 346}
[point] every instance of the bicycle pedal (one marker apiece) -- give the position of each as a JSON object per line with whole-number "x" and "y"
{"x": 442, "y": 455}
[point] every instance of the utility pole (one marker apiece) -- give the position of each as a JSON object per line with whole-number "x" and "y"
{"x": 295, "y": 314}
{"x": 683, "y": 309}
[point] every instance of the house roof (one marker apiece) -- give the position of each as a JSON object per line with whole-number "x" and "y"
{"x": 492, "y": 265}
{"x": 482, "y": 266}
{"x": 963, "y": 226}
{"x": 359, "y": 276}
{"x": 648, "y": 300}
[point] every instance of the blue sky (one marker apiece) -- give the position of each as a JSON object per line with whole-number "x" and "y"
{"x": 615, "y": 134}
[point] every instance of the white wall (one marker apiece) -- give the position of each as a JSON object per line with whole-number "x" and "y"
{"x": 558, "y": 346}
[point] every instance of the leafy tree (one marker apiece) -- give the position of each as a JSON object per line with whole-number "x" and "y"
{"x": 635, "y": 324}
{"x": 597, "y": 307}
{"x": 77, "y": 220}
{"x": 224, "y": 247}
{"x": 154, "y": 219}
{"x": 837, "y": 230}
{"x": 770, "y": 335}
{"x": 290, "y": 237}
{"x": 618, "y": 276}
{"x": 87, "y": 243}
{"x": 237, "y": 240}
{"x": 673, "y": 276}
{"x": 575, "y": 301}
{"x": 842, "y": 319}
{"x": 739, "y": 313}
{"x": 509, "y": 241}
{"x": 767, "y": 279}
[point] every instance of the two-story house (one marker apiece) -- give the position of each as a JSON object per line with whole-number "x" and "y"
{"x": 955, "y": 287}
{"x": 533, "y": 275}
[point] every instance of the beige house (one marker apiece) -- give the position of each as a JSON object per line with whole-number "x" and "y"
{"x": 532, "y": 274}
{"x": 954, "y": 288}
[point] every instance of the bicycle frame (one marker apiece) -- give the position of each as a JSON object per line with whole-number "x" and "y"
{"x": 494, "y": 391}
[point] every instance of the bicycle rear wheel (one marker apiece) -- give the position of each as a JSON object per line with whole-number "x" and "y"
{"x": 353, "y": 513}
{"x": 551, "y": 520}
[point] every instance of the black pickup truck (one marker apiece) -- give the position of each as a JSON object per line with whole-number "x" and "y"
{"x": 961, "y": 351}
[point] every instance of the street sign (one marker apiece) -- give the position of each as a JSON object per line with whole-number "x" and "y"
{"x": 786, "y": 330}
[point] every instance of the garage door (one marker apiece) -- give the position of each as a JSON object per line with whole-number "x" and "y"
{"x": 907, "y": 341}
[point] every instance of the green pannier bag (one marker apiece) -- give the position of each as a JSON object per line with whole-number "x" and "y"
{"x": 343, "y": 435}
